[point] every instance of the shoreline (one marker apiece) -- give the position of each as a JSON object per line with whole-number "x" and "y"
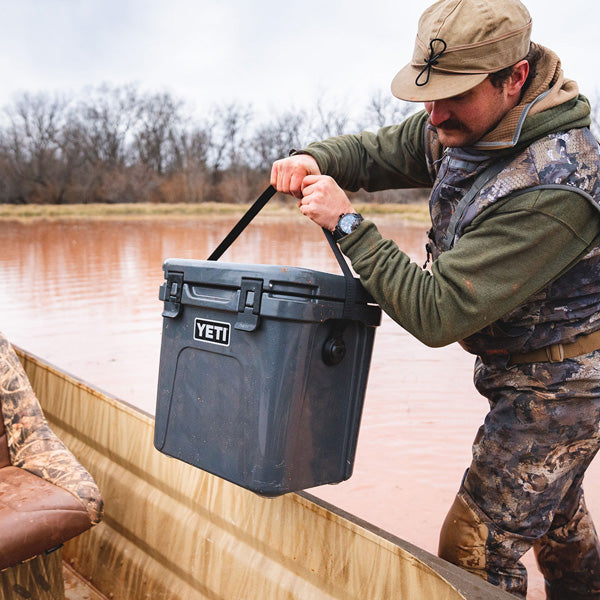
{"x": 417, "y": 212}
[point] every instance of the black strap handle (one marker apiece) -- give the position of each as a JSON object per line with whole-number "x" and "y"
{"x": 243, "y": 223}
{"x": 349, "y": 304}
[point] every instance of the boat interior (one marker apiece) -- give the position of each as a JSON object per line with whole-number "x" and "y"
{"x": 150, "y": 526}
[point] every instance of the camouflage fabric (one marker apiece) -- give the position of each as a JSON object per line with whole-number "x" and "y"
{"x": 569, "y": 158}
{"x": 523, "y": 488}
{"x": 32, "y": 444}
{"x": 568, "y": 554}
{"x": 454, "y": 172}
{"x": 529, "y": 459}
{"x": 568, "y": 306}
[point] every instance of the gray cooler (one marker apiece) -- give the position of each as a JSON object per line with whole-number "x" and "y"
{"x": 263, "y": 371}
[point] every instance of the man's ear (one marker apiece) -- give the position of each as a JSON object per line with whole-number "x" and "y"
{"x": 518, "y": 78}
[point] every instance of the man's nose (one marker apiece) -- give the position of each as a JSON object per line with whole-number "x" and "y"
{"x": 438, "y": 112}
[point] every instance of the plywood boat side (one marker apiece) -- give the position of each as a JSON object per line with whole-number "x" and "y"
{"x": 174, "y": 532}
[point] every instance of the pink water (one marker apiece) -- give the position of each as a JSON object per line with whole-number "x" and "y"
{"x": 84, "y": 296}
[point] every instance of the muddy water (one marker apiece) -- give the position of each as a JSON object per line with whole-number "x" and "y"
{"x": 84, "y": 295}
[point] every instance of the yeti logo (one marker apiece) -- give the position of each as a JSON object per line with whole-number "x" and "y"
{"x": 213, "y": 332}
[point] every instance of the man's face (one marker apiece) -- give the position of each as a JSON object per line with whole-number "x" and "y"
{"x": 463, "y": 120}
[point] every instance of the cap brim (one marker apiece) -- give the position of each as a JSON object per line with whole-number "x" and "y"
{"x": 440, "y": 85}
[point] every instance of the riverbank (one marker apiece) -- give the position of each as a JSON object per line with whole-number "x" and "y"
{"x": 415, "y": 213}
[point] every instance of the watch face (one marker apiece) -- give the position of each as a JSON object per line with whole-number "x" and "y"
{"x": 349, "y": 222}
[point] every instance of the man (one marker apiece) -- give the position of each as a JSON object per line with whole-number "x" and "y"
{"x": 515, "y": 240}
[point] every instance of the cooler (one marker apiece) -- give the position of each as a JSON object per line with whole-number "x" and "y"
{"x": 263, "y": 371}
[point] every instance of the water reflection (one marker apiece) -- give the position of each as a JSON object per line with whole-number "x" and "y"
{"x": 84, "y": 295}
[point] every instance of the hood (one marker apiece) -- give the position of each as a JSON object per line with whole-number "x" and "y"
{"x": 549, "y": 93}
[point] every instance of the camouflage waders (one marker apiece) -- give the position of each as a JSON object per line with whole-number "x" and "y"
{"x": 523, "y": 488}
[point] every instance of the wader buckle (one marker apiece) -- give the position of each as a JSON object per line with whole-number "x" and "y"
{"x": 555, "y": 353}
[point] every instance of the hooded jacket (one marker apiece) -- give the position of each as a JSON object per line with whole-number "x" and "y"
{"x": 508, "y": 253}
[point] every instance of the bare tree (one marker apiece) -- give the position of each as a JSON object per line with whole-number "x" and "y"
{"x": 190, "y": 181}
{"x": 117, "y": 144}
{"x": 102, "y": 123}
{"x": 32, "y": 146}
{"x": 384, "y": 109}
{"x": 273, "y": 140}
{"x": 230, "y": 130}
{"x": 158, "y": 126}
{"x": 191, "y": 147}
{"x": 327, "y": 119}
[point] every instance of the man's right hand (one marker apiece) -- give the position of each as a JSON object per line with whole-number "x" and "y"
{"x": 287, "y": 174}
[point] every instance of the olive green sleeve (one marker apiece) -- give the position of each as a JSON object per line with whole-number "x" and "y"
{"x": 394, "y": 157}
{"x": 509, "y": 253}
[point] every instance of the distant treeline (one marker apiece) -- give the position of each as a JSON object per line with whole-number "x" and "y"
{"x": 118, "y": 144}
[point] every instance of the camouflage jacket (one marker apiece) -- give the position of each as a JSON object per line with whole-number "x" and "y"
{"x": 510, "y": 251}
{"x": 467, "y": 183}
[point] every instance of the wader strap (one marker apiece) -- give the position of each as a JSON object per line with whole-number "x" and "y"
{"x": 469, "y": 197}
{"x": 559, "y": 352}
{"x": 350, "y": 308}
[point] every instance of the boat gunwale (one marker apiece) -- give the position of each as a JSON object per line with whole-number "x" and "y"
{"x": 466, "y": 584}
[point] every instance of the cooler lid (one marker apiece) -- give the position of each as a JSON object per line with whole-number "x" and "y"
{"x": 287, "y": 280}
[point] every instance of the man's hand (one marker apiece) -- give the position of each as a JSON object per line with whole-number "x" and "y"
{"x": 323, "y": 200}
{"x": 287, "y": 174}
{"x": 320, "y": 198}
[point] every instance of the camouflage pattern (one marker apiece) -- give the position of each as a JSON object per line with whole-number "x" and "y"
{"x": 567, "y": 159}
{"x": 529, "y": 459}
{"x": 568, "y": 554}
{"x": 32, "y": 444}
{"x": 565, "y": 309}
{"x": 453, "y": 172}
{"x": 523, "y": 488}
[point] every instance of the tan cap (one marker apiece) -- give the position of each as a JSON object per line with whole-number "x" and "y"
{"x": 459, "y": 43}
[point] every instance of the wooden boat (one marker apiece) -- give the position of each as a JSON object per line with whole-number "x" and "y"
{"x": 174, "y": 532}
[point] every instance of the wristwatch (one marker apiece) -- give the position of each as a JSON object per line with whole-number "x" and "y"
{"x": 346, "y": 224}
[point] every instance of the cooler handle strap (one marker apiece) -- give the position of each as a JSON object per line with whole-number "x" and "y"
{"x": 243, "y": 223}
{"x": 349, "y": 304}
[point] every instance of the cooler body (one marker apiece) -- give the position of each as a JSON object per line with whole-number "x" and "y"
{"x": 262, "y": 374}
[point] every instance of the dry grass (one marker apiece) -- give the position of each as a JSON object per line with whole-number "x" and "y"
{"x": 90, "y": 211}
{"x": 410, "y": 212}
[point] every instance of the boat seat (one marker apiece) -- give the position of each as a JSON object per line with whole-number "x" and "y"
{"x": 46, "y": 495}
{"x": 35, "y": 516}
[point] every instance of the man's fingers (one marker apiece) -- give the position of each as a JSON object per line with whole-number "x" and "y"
{"x": 274, "y": 175}
{"x": 287, "y": 174}
{"x": 296, "y": 180}
{"x": 310, "y": 180}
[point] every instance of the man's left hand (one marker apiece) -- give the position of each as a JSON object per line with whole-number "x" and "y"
{"x": 323, "y": 201}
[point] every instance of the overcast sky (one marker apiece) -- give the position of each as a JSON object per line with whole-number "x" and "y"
{"x": 265, "y": 53}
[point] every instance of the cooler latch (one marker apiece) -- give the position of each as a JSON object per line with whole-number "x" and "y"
{"x": 170, "y": 293}
{"x": 249, "y": 304}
